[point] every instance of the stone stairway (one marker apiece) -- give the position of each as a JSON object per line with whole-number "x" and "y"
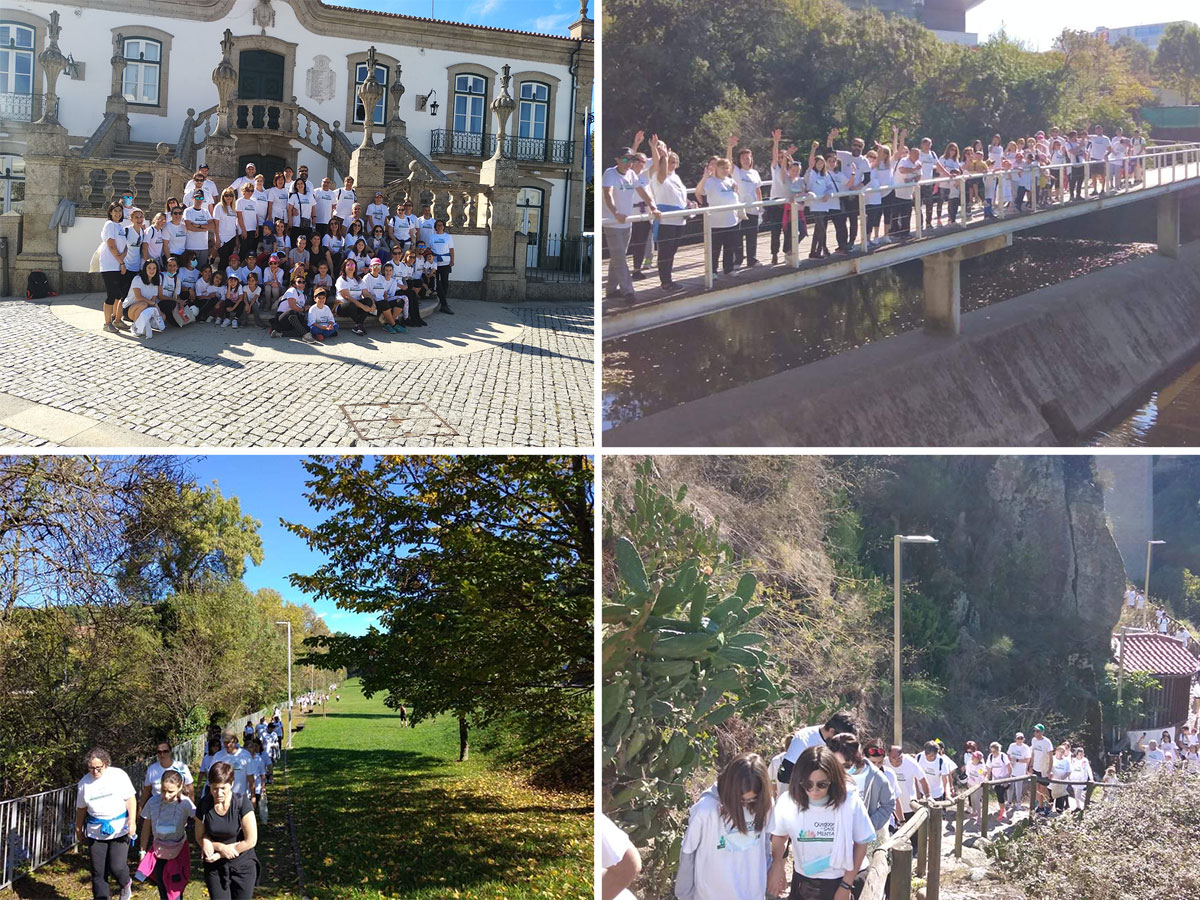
{"x": 136, "y": 150}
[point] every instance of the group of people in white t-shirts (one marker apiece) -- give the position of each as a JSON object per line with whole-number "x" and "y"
{"x": 830, "y": 796}
{"x": 111, "y": 815}
{"x": 231, "y": 257}
{"x": 1050, "y": 166}
{"x": 1180, "y": 754}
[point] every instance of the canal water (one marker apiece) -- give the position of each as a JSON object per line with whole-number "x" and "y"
{"x": 655, "y": 370}
{"x": 1168, "y": 416}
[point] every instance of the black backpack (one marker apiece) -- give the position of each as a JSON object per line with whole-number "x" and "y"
{"x": 38, "y": 286}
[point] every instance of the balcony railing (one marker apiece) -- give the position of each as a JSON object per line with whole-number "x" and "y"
{"x": 475, "y": 144}
{"x": 23, "y": 107}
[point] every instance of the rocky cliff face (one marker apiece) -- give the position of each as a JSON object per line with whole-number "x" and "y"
{"x": 1043, "y": 591}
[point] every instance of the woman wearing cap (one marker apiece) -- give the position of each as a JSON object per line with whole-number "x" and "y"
{"x": 726, "y": 849}
{"x": 227, "y": 833}
{"x": 442, "y": 245}
{"x": 199, "y": 228}
{"x": 113, "y": 245}
{"x": 830, "y": 828}
{"x": 351, "y": 301}
{"x": 106, "y": 819}
{"x": 375, "y": 286}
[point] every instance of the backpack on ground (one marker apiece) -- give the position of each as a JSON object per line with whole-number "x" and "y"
{"x": 38, "y": 286}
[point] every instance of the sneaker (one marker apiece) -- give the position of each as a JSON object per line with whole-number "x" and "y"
{"x": 224, "y": 323}
{"x": 638, "y": 276}
{"x": 320, "y": 338}
{"x": 271, "y": 332}
{"x": 399, "y": 329}
{"x": 127, "y": 891}
{"x": 111, "y": 328}
{"x": 358, "y": 329}
{"x": 308, "y": 338}
{"x": 235, "y": 323}
{"x": 122, "y": 325}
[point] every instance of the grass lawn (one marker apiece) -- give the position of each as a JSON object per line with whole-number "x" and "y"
{"x": 385, "y": 810}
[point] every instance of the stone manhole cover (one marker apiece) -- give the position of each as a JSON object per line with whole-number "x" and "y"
{"x": 392, "y": 423}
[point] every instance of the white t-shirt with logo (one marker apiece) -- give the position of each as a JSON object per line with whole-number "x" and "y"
{"x": 1042, "y": 751}
{"x": 1020, "y": 754}
{"x": 809, "y": 736}
{"x": 322, "y": 206}
{"x": 240, "y": 760}
{"x": 730, "y": 865}
{"x": 748, "y": 182}
{"x": 104, "y": 799}
{"x": 441, "y": 245}
{"x": 624, "y": 195}
{"x": 933, "y": 770}
{"x": 907, "y": 774}
{"x": 812, "y": 832}
{"x": 197, "y": 240}
{"x": 155, "y": 771}
{"x": 1098, "y": 145}
{"x": 115, "y": 231}
{"x": 614, "y": 844}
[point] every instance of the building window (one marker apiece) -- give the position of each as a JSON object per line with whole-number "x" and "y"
{"x": 381, "y": 75}
{"x": 143, "y": 70}
{"x": 534, "y": 108}
{"x": 470, "y": 96}
{"x": 16, "y": 70}
{"x": 12, "y": 183}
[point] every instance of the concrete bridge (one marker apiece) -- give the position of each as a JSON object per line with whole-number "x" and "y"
{"x": 1169, "y": 170}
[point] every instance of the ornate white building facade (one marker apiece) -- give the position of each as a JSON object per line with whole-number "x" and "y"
{"x": 105, "y": 96}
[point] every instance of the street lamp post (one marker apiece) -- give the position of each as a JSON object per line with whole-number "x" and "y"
{"x": 289, "y": 652}
{"x": 898, "y": 702}
{"x": 1121, "y": 660}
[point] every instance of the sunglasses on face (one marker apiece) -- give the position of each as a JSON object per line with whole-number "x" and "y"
{"x": 815, "y": 785}
{"x": 874, "y": 753}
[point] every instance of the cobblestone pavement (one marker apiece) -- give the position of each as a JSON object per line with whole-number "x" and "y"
{"x": 536, "y": 390}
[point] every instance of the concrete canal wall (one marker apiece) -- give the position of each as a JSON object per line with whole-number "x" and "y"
{"x": 1045, "y": 368}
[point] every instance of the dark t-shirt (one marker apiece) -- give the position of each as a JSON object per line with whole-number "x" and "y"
{"x": 226, "y": 829}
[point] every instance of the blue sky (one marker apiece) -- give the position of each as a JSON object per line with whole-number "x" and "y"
{"x": 543, "y": 16}
{"x": 270, "y": 488}
{"x": 1038, "y": 26}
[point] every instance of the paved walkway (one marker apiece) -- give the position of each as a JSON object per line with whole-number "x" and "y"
{"x": 510, "y": 376}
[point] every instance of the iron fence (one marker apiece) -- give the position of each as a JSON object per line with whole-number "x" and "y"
{"x": 23, "y": 107}
{"x": 561, "y": 258}
{"x": 482, "y": 144}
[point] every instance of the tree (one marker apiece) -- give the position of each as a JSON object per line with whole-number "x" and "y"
{"x": 479, "y": 568}
{"x": 1177, "y": 60}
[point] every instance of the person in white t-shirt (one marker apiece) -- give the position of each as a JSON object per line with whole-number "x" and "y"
{"x": 856, "y": 168}
{"x": 1043, "y": 751}
{"x": 106, "y": 820}
{"x": 977, "y": 773}
{"x": 726, "y": 849}
{"x": 999, "y": 767}
{"x": 257, "y": 769}
{"x": 826, "y": 822}
{"x": 323, "y": 198}
{"x": 814, "y": 736}
{"x": 620, "y": 862}
{"x": 749, "y": 190}
{"x": 113, "y": 247}
{"x": 247, "y": 210}
{"x": 377, "y": 212}
{"x": 620, "y": 188}
{"x": 1081, "y": 773}
{"x": 910, "y": 779}
{"x": 165, "y": 762}
{"x": 201, "y": 182}
{"x": 165, "y": 819}
{"x": 375, "y": 286}
{"x": 343, "y": 201}
{"x": 937, "y": 769}
{"x": 822, "y": 205}
{"x": 1020, "y": 754}
{"x": 1099, "y": 148}
{"x": 141, "y": 304}
{"x": 199, "y": 223}
{"x": 289, "y": 311}
{"x": 239, "y": 758}
{"x": 321, "y": 323}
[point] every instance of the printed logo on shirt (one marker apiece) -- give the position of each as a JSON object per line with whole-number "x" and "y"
{"x": 737, "y": 842}
{"x": 821, "y": 832}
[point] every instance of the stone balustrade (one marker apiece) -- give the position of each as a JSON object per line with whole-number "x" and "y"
{"x": 465, "y": 205}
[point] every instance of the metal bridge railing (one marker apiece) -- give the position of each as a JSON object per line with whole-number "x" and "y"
{"x": 1160, "y": 165}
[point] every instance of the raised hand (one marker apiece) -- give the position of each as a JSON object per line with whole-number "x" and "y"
{"x": 638, "y": 138}
{"x": 777, "y": 135}
{"x": 653, "y": 140}
{"x": 833, "y": 132}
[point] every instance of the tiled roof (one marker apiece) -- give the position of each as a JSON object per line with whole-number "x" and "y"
{"x": 1159, "y": 654}
{"x": 378, "y": 12}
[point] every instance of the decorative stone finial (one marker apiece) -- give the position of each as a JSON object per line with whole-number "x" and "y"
{"x": 53, "y": 64}
{"x": 369, "y": 93}
{"x": 502, "y": 107}
{"x": 583, "y": 5}
{"x": 225, "y": 78}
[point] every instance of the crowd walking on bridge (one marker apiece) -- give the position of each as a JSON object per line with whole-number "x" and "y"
{"x": 222, "y": 816}
{"x": 1047, "y": 167}
{"x": 833, "y": 795}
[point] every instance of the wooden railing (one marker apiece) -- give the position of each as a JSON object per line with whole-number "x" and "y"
{"x": 893, "y": 860}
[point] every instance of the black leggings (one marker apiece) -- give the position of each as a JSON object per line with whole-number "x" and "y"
{"x": 232, "y": 879}
{"x": 637, "y": 243}
{"x": 724, "y": 245}
{"x": 108, "y": 858}
{"x": 349, "y": 308}
{"x": 669, "y": 237}
{"x": 773, "y": 216}
{"x": 818, "y": 247}
{"x": 443, "y": 282}
{"x": 747, "y": 233}
{"x": 286, "y": 322}
{"x": 113, "y": 287}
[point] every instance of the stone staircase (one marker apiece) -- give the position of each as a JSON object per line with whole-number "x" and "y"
{"x": 136, "y": 150}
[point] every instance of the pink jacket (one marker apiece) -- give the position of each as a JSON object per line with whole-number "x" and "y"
{"x": 175, "y": 873}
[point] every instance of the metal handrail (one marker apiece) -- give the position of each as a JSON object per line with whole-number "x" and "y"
{"x": 1190, "y": 150}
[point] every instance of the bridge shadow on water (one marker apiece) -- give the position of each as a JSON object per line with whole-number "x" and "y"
{"x": 406, "y": 820}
